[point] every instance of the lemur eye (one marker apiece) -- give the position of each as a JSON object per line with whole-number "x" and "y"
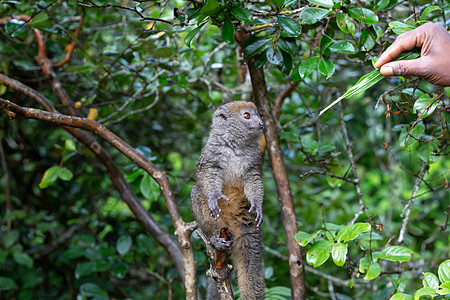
{"x": 247, "y": 115}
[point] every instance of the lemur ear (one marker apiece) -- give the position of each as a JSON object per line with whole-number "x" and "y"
{"x": 222, "y": 112}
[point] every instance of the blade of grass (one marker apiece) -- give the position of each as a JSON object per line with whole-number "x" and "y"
{"x": 367, "y": 81}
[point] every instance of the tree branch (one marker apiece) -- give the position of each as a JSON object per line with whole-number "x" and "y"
{"x": 219, "y": 269}
{"x": 407, "y": 209}
{"x": 362, "y": 207}
{"x": 278, "y": 102}
{"x": 71, "y": 46}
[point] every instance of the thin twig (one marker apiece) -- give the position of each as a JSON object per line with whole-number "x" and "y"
{"x": 407, "y": 209}
{"x": 133, "y": 9}
{"x": 362, "y": 207}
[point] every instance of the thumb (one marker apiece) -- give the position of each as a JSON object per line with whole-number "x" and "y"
{"x": 413, "y": 67}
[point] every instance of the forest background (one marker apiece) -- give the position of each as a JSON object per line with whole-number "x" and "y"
{"x": 104, "y": 212}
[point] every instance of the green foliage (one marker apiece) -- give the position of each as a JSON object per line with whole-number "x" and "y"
{"x": 432, "y": 286}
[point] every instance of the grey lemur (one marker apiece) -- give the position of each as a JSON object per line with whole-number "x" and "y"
{"x": 229, "y": 193}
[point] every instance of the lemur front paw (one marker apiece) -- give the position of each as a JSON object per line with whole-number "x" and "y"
{"x": 259, "y": 213}
{"x": 222, "y": 243}
{"x": 213, "y": 204}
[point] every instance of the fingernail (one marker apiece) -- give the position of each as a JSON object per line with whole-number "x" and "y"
{"x": 386, "y": 71}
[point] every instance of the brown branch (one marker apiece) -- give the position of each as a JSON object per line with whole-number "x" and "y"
{"x": 117, "y": 178}
{"x": 218, "y": 271}
{"x": 408, "y": 207}
{"x": 296, "y": 266}
{"x": 362, "y": 207}
{"x": 71, "y": 46}
{"x": 278, "y": 102}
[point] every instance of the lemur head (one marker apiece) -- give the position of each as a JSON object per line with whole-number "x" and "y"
{"x": 239, "y": 118}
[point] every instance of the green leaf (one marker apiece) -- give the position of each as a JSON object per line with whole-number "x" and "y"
{"x": 274, "y": 57}
{"x": 401, "y": 296}
{"x": 324, "y": 43}
{"x": 426, "y": 149}
{"x": 145, "y": 243}
{"x": 319, "y": 253}
{"x": 289, "y": 45}
{"x": 444, "y": 289}
{"x": 210, "y": 8}
{"x": 162, "y": 52}
{"x": 325, "y": 147}
{"x": 343, "y": 47}
{"x": 373, "y": 271}
{"x": 10, "y": 238}
{"x": 70, "y": 145}
{"x": 192, "y": 33}
{"x": 253, "y": 46}
{"x": 120, "y": 269}
{"x": 444, "y": 271}
{"x": 290, "y": 25}
{"x": 149, "y": 187}
{"x": 378, "y": 31}
{"x": 324, "y": 3}
{"x": 23, "y": 258}
{"x": 74, "y": 252}
{"x": 363, "y": 15}
{"x": 85, "y": 268}
{"x": 312, "y": 15}
{"x": 326, "y": 67}
{"x": 123, "y": 244}
{"x": 286, "y": 65}
{"x": 407, "y": 141}
{"x": 381, "y": 4}
{"x": 16, "y": 28}
{"x": 425, "y": 105}
{"x": 277, "y": 3}
{"x": 40, "y": 21}
{"x": 428, "y": 10}
{"x": 396, "y": 253}
{"x": 336, "y": 169}
{"x": 261, "y": 60}
{"x": 228, "y": 32}
{"x": 430, "y": 280}
{"x": 65, "y": 174}
{"x": 7, "y": 284}
{"x": 91, "y": 289}
{"x": 345, "y": 24}
{"x": 400, "y": 27}
{"x": 351, "y": 232}
{"x": 363, "y": 84}
{"x": 304, "y": 238}
{"x": 50, "y": 176}
{"x": 364, "y": 264}
{"x": 306, "y": 67}
{"x": 425, "y": 292}
{"x": 445, "y": 285}
{"x": 339, "y": 253}
{"x": 366, "y": 41}
{"x": 242, "y": 14}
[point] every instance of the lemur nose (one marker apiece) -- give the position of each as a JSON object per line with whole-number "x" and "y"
{"x": 261, "y": 124}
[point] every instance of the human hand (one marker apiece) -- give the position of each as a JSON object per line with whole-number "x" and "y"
{"x": 434, "y": 62}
